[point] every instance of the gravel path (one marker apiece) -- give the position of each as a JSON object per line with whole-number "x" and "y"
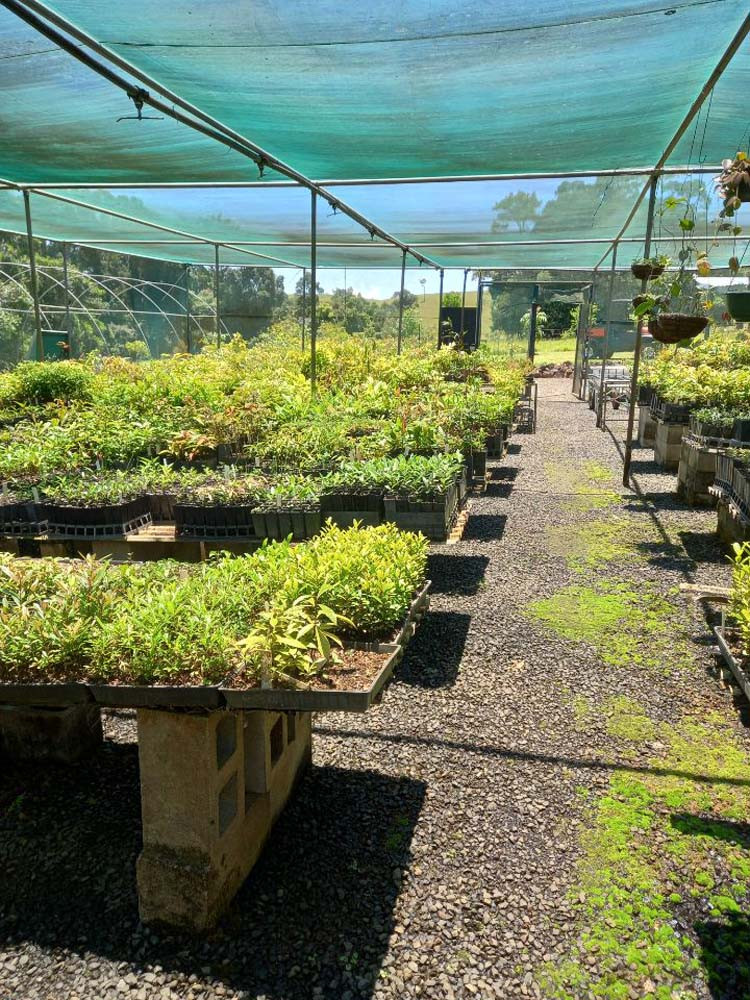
{"x": 430, "y": 850}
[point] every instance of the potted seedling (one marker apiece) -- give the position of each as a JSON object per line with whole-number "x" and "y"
{"x": 649, "y": 267}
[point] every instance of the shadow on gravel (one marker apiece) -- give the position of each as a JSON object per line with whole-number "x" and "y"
{"x": 503, "y": 753}
{"x": 514, "y": 448}
{"x": 433, "y": 656}
{"x": 317, "y": 910}
{"x": 666, "y": 555}
{"x": 456, "y": 574}
{"x": 484, "y": 528}
{"x": 725, "y": 953}
{"x": 503, "y": 474}
{"x": 720, "y": 829}
{"x": 660, "y": 500}
{"x": 703, "y": 547}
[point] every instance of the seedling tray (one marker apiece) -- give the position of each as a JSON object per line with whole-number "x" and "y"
{"x": 44, "y": 695}
{"x": 319, "y": 700}
{"x": 731, "y": 661}
{"x": 105, "y": 521}
{"x": 156, "y": 696}
{"x": 217, "y": 521}
{"x": 21, "y": 519}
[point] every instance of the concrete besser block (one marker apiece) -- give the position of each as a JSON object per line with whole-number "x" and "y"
{"x": 212, "y": 785}
{"x": 646, "y": 427}
{"x": 64, "y": 735}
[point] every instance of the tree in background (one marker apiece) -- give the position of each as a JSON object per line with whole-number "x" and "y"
{"x": 518, "y": 211}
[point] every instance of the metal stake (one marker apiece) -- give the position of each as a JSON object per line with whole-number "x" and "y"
{"x": 479, "y": 308}
{"x": 638, "y": 341}
{"x": 188, "y": 333}
{"x": 463, "y": 305}
{"x": 532, "y": 325}
{"x": 605, "y": 346}
{"x": 440, "y": 304}
{"x": 401, "y": 303}
{"x": 313, "y": 290}
{"x": 217, "y": 319}
{"x": 66, "y": 288}
{"x": 584, "y": 311}
{"x": 33, "y": 280}
{"x": 304, "y": 303}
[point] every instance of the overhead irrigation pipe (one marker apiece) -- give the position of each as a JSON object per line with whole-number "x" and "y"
{"x": 730, "y": 52}
{"x": 375, "y": 181}
{"x": 37, "y": 15}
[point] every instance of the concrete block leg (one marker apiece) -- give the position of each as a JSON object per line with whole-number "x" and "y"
{"x": 646, "y": 427}
{"x": 64, "y": 735}
{"x": 212, "y": 786}
{"x": 668, "y": 444}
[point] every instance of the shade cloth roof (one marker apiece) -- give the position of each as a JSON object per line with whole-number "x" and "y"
{"x": 420, "y": 89}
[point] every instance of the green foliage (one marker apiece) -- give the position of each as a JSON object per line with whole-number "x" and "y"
{"x": 416, "y": 476}
{"x": 277, "y": 614}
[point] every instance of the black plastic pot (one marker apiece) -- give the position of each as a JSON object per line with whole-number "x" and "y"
{"x": 645, "y": 392}
{"x": 103, "y": 521}
{"x": 741, "y": 429}
{"x": 215, "y": 521}
{"x": 22, "y": 519}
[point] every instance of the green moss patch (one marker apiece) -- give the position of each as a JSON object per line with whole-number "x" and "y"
{"x": 592, "y": 543}
{"x": 624, "y": 625}
{"x": 662, "y": 889}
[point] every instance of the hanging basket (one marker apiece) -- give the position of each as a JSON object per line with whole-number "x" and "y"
{"x": 670, "y": 328}
{"x": 647, "y": 271}
{"x": 738, "y": 306}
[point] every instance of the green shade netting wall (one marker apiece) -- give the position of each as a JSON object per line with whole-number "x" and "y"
{"x": 457, "y": 224}
{"x": 421, "y": 88}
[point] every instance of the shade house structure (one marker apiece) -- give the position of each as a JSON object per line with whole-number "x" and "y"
{"x": 418, "y": 137}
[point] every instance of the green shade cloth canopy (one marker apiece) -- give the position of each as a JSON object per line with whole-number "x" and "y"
{"x": 377, "y": 91}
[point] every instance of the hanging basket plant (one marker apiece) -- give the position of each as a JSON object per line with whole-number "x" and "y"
{"x": 670, "y": 328}
{"x": 734, "y": 183}
{"x": 646, "y": 268}
{"x": 738, "y": 305}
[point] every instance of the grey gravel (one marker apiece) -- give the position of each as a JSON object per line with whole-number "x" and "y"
{"x": 429, "y": 851}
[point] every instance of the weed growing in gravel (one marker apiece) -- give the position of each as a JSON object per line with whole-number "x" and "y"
{"x": 662, "y": 891}
{"x": 623, "y": 625}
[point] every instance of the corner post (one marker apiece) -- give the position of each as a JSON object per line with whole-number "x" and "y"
{"x": 313, "y": 290}
{"x": 33, "y": 279}
{"x": 401, "y": 303}
{"x": 605, "y": 345}
{"x": 217, "y": 303}
{"x": 440, "y": 305}
{"x": 638, "y": 341}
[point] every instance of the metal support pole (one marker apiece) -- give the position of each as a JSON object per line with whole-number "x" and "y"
{"x": 463, "y": 306}
{"x": 638, "y": 341}
{"x": 440, "y": 304}
{"x": 304, "y": 304}
{"x": 313, "y": 290}
{"x": 532, "y": 325}
{"x": 66, "y": 288}
{"x": 345, "y": 298}
{"x": 33, "y": 279}
{"x": 188, "y": 333}
{"x": 605, "y": 345}
{"x": 583, "y": 322}
{"x": 479, "y": 308}
{"x": 217, "y": 304}
{"x": 401, "y": 303}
